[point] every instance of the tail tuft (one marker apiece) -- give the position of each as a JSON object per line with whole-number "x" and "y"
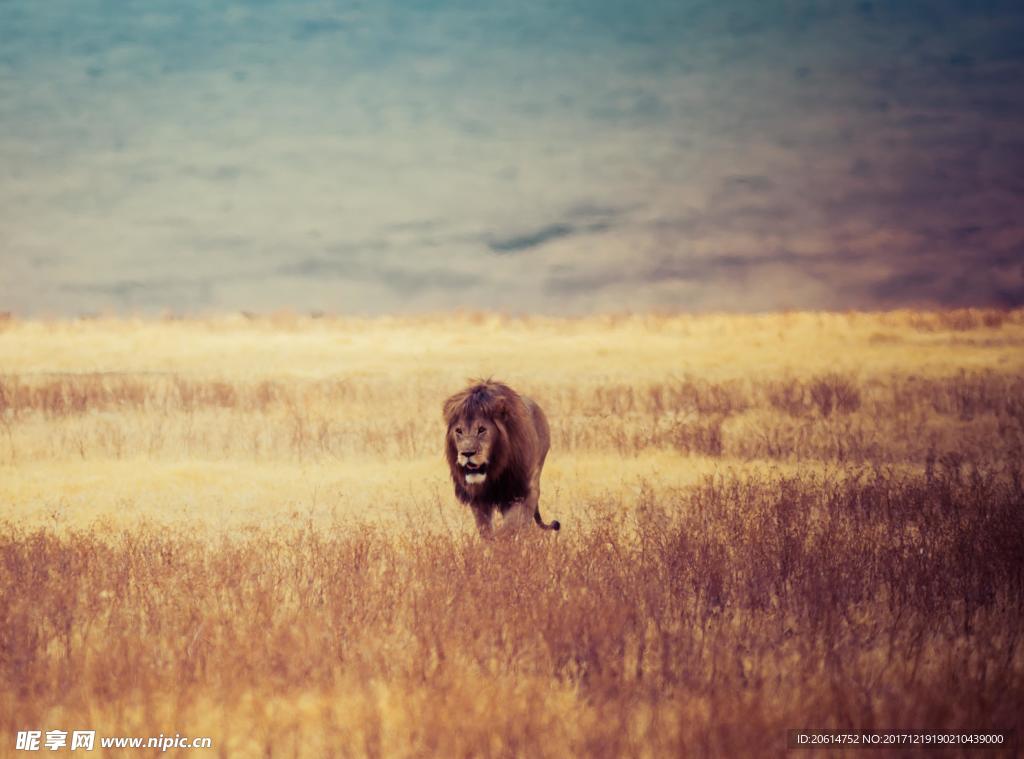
{"x": 540, "y": 522}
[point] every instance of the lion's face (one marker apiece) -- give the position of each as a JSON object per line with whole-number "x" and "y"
{"x": 473, "y": 441}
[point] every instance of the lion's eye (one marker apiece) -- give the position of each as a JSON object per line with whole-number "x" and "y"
{"x": 481, "y": 430}
{"x": 458, "y": 430}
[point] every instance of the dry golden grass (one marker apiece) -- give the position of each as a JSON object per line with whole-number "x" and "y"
{"x": 241, "y": 528}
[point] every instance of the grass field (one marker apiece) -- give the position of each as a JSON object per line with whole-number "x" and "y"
{"x": 242, "y": 528}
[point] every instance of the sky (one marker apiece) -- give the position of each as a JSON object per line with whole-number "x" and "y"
{"x": 562, "y": 157}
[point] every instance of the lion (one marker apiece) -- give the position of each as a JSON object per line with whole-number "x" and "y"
{"x": 496, "y": 444}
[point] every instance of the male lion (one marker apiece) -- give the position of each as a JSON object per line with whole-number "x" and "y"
{"x": 496, "y": 444}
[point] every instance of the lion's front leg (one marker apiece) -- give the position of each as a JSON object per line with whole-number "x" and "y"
{"x": 483, "y": 522}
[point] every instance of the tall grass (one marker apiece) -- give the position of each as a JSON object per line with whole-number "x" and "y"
{"x": 895, "y": 418}
{"x": 872, "y": 600}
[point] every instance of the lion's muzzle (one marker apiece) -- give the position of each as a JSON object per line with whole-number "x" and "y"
{"x": 474, "y": 474}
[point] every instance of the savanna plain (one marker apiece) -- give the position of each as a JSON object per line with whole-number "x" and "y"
{"x": 242, "y": 527}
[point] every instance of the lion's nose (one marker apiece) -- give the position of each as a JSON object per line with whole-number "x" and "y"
{"x": 468, "y": 454}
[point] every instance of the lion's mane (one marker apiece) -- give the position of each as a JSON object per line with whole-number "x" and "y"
{"x": 513, "y": 454}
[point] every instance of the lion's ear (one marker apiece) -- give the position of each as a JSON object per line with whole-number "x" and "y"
{"x": 448, "y": 409}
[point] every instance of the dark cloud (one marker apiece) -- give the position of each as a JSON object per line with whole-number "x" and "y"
{"x": 592, "y": 211}
{"x": 582, "y": 220}
{"x": 916, "y": 285}
{"x": 727, "y": 215}
{"x": 403, "y": 280}
{"x": 318, "y": 267}
{"x": 534, "y": 239}
{"x": 753, "y": 183}
{"x": 708, "y": 268}
{"x": 134, "y": 293}
{"x": 568, "y": 281}
{"x": 222, "y": 173}
{"x": 730, "y": 269}
{"x": 316, "y": 27}
{"x": 1009, "y": 297}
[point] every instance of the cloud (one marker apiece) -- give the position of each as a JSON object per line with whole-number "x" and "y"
{"x": 727, "y": 271}
{"x": 914, "y": 285}
{"x": 751, "y": 183}
{"x": 582, "y": 219}
{"x": 401, "y": 279}
{"x": 140, "y": 293}
{"x": 563, "y": 281}
{"x": 221, "y": 173}
{"x": 588, "y": 210}
{"x": 533, "y": 239}
{"x": 316, "y": 27}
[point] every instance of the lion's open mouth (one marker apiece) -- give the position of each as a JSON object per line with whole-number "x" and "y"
{"x": 474, "y": 473}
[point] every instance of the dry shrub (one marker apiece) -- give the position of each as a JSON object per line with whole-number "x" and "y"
{"x": 823, "y": 394}
{"x": 853, "y": 601}
{"x": 957, "y": 319}
{"x": 833, "y": 392}
{"x": 828, "y": 417}
{"x": 702, "y": 437}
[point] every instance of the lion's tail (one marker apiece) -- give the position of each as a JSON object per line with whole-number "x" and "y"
{"x": 555, "y": 525}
